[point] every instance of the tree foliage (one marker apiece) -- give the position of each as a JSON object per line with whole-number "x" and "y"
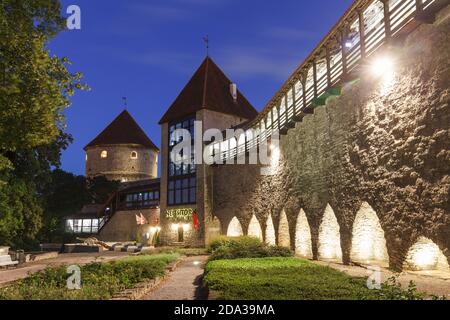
{"x": 35, "y": 89}
{"x": 66, "y": 194}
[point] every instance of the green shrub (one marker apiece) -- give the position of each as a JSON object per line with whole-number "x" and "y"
{"x": 100, "y": 281}
{"x": 274, "y": 251}
{"x": 244, "y": 247}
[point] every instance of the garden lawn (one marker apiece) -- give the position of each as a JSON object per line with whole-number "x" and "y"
{"x": 290, "y": 279}
{"x": 99, "y": 281}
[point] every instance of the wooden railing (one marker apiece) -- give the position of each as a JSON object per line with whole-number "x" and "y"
{"x": 364, "y": 28}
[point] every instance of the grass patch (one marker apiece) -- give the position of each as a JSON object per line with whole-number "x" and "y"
{"x": 100, "y": 281}
{"x": 293, "y": 279}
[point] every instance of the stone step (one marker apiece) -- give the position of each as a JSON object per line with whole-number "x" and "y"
{"x": 4, "y": 251}
{"x": 132, "y": 249}
{"x": 6, "y": 261}
{"x": 5, "y": 258}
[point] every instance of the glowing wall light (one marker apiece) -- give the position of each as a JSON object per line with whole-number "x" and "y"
{"x": 174, "y": 226}
{"x": 329, "y": 237}
{"x": 382, "y": 68}
{"x": 425, "y": 255}
{"x": 368, "y": 241}
{"x": 235, "y": 228}
{"x": 284, "y": 239}
{"x": 275, "y": 156}
{"x": 303, "y": 246}
{"x": 254, "y": 228}
{"x": 270, "y": 232}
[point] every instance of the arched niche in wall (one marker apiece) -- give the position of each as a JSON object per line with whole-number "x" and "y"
{"x": 270, "y": 232}
{"x": 303, "y": 245}
{"x": 329, "y": 237}
{"x": 284, "y": 239}
{"x": 254, "y": 229}
{"x": 213, "y": 229}
{"x": 425, "y": 255}
{"x": 368, "y": 241}
{"x": 235, "y": 228}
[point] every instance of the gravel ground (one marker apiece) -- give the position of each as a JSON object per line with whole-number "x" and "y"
{"x": 433, "y": 282}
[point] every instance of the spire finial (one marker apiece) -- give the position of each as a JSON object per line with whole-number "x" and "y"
{"x": 125, "y": 102}
{"x": 206, "y": 40}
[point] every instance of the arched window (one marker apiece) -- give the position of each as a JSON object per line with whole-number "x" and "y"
{"x": 104, "y": 154}
{"x": 134, "y": 155}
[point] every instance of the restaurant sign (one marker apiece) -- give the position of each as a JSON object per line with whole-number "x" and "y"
{"x": 185, "y": 214}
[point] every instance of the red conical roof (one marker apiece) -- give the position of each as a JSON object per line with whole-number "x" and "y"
{"x": 123, "y": 130}
{"x": 209, "y": 88}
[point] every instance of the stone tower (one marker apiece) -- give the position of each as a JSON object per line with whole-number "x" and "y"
{"x": 212, "y": 99}
{"x": 122, "y": 152}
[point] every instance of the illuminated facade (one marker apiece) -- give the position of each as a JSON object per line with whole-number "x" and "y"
{"x": 360, "y": 173}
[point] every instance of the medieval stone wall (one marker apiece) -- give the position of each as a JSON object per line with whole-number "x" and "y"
{"x": 382, "y": 144}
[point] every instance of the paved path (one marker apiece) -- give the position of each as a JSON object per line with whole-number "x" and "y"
{"x": 184, "y": 283}
{"x": 433, "y": 283}
{"x": 10, "y": 275}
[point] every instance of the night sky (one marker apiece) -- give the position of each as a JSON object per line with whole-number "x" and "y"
{"x": 147, "y": 51}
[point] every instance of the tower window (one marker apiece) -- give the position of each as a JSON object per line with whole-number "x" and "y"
{"x": 182, "y": 176}
{"x": 134, "y": 155}
{"x": 104, "y": 154}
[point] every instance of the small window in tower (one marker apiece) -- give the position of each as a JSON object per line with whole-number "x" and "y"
{"x": 86, "y": 157}
{"x": 134, "y": 155}
{"x": 104, "y": 154}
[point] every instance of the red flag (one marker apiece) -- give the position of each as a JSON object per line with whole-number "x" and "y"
{"x": 143, "y": 220}
{"x": 195, "y": 220}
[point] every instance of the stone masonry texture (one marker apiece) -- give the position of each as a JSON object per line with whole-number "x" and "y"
{"x": 384, "y": 145}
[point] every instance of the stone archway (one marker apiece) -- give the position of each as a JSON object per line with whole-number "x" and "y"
{"x": 270, "y": 232}
{"x": 284, "y": 239}
{"x": 254, "y": 229}
{"x": 213, "y": 229}
{"x": 368, "y": 241}
{"x": 235, "y": 228}
{"x": 329, "y": 237}
{"x": 425, "y": 255}
{"x": 303, "y": 245}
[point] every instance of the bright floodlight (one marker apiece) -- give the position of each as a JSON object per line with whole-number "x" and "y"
{"x": 382, "y": 66}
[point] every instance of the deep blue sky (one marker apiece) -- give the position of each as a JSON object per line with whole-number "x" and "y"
{"x": 147, "y": 50}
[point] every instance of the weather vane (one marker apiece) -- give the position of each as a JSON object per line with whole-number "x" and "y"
{"x": 125, "y": 103}
{"x": 206, "y": 39}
